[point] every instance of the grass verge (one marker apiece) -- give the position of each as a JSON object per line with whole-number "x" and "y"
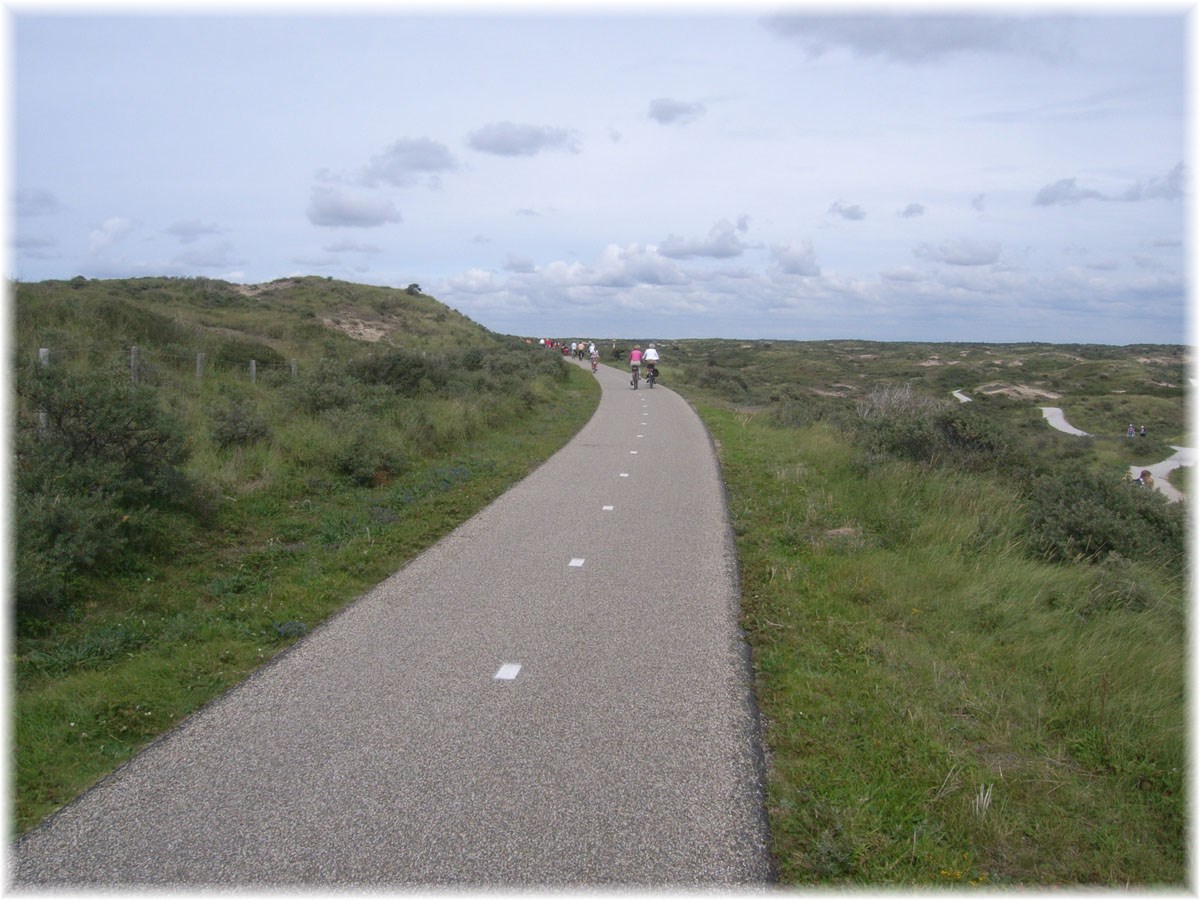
{"x": 941, "y": 709}
{"x": 152, "y": 645}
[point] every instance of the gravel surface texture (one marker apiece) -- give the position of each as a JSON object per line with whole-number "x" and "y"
{"x": 620, "y": 747}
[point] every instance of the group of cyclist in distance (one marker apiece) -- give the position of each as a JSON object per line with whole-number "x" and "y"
{"x": 637, "y": 358}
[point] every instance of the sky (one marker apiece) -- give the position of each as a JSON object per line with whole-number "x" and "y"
{"x": 810, "y": 173}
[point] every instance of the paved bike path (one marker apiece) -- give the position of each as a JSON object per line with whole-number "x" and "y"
{"x": 384, "y": 750}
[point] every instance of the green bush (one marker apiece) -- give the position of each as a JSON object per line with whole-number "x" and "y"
{"x": 406, "y": 372}
{"x": 96, "y": 461}
{"x": 1092, "y": 515}
{"x": 902, "y": 423}
{"x": 238, "y": 425}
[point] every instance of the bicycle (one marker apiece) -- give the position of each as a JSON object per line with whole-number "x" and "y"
{"x": 595, "y": 361}
{"x": 651, "y": 376}
{"x": 635, "y": 378}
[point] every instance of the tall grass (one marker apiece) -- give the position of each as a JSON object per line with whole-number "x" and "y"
{"x": 940, "y": 706}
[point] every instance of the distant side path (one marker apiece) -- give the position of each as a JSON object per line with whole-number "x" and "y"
{"x": 1183, "y": 456}
{"x": 555, "y": 695}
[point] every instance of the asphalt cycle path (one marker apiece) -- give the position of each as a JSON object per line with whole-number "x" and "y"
{"x": 557, "y": 694}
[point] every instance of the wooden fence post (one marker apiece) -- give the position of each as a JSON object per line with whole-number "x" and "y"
{"x": 134, "y": 360}
{"x": 293, "y": 368}
{"x": 253, "y": 371}
{"x": 199, "y": 365}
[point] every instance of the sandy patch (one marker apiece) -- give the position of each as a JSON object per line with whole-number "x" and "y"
{"x": 361, "y": 329}
{"x": 1019, "y": 391}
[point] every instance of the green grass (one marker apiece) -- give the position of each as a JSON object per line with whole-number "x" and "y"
{"x": 308, "y": 491}
{"x": 152, "y": 646}
{"x": 940, "y": 708}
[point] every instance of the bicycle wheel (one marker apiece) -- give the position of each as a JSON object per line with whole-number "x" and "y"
{"x": 635, "y": 379}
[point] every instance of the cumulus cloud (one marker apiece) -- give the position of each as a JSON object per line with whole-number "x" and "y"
{"x": 722, "y": 242}
{"x": 854, "y": 213}
{"x": 634, "y": 264}
{"x": 675, "y": 112}
{"x": 36, "y": 202}
{"x": 190, "y": 231}
{"x": 912, "y": 211}
{"x": 960, "y": 252}
{"x": 334, "y": 207}
{"x": 1067, "y": 192}
{"x": 1169, "y": 187}
{"x": 1064, "y": 192}
{"x": 405, "y": 162}
{"x": 512, "y": 139}
{"x": 110, "y": 232}
{"x": 920, "y": 38}
{"x": 796, "y": 260}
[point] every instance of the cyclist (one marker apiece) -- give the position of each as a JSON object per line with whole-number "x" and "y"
{"x": 635, "y": 360}
{"x": 595, "y": 355}
{"x": 650, "y": 358}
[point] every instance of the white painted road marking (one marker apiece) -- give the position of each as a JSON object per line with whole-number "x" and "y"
{"x": 507, "y": 672}
{"x": 606, "y": 508}
{"x": 624, "y": 474}
{"x": 576, "y": 563}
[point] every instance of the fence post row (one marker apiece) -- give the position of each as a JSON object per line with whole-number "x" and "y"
{"x": 135, "y": 362}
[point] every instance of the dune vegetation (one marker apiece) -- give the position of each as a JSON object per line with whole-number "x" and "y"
{"x": 174, "y": 534}
{"x": 968, "y": 629}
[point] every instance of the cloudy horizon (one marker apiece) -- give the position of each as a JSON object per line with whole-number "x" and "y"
{"x": 928, "y": 176}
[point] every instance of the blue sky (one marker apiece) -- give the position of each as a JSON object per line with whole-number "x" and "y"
{"x": 945, "y": 174}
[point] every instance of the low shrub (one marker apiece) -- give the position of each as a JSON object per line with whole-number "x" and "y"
{"x": 238, "y": 425}
{"x": 1091, "y": 515}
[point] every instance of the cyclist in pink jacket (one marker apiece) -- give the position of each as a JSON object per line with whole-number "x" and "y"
{"x": 635, "y": 362}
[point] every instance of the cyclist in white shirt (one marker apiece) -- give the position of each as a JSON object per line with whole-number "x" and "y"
{"x": 650, "y": 359}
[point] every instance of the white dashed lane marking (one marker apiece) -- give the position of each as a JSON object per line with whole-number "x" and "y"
{"x": 576, "y": 563}
{"x": 507, "y": 672}
{"x": 606, "y": 508}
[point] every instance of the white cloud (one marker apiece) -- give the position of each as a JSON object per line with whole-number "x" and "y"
{"x": 853, "y": 213}
{"x": 722, "y": 242}
{"x": 960, "y": 252}
{"x": 921, "y": 38}
{"x": 912, "y": 211}
{"x": 111, "y": 231}
{"x": 796, "y": 260}
{"x": 1066, "y": 191}
{"x": 334, "y": 207}
{"x": 512, "y": 139}
{"x": 404, "y": 162}
{"x": 675, "y": 112}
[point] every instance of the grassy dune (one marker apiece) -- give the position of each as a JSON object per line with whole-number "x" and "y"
{"x": 943, "y": 704}
{"x": 294, "y": 494}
